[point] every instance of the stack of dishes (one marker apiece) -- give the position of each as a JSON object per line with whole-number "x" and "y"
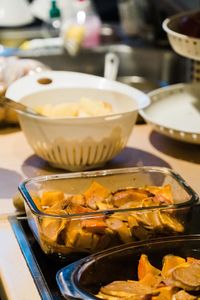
{"x": 175, "y": 110}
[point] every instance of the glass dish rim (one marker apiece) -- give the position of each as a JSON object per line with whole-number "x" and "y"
{"x": 94, "y": 174}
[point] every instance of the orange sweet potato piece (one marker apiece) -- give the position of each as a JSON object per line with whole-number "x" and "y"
{"x": 151, "y": 280}
{"x": 51, "y": 227}
{"x": 163, "y": 193}
{"x": 165, "y": 293}
{"x": 77, "y": 209}
{"x": 124, "y": 196}
{"x": 94, "y": 225}
{"x": 37, "y": 202}
{"x": 50, "y": 197}
{"x": 170, "y": 262}
{"x": 145, "y": 267}
{"x": 96, "y": 189}
{"x": 192, "y": 259}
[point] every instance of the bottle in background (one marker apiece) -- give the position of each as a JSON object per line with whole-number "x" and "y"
{"x": 54, "y": 19}
{"x": 83, "y": 28}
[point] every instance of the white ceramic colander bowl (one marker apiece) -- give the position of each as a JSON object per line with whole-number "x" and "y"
{"x": 77, "y": 143}
{"x": 182, "y": 44}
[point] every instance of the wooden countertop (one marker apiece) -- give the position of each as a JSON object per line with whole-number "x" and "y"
{"x": 145, "y": 148}
{"x": 17, "y": 162}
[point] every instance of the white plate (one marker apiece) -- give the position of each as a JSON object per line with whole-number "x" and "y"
{"x": 175, "y": 111}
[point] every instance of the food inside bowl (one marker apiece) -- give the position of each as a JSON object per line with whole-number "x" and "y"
{"x": 90, "y": 230}
{"x": 72, "y": 143}
{"x": 85, "y": 107}
{"x": 178, "y": 279}
{"x": 11, "y": 69}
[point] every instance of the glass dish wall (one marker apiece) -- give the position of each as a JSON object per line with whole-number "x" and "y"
{"x": 67, "y": 232}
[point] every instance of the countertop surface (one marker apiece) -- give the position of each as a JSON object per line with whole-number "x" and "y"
{"x": 145, "y": 148}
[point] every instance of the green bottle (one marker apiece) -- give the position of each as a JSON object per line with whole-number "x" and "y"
{"x": 54, "y": 19}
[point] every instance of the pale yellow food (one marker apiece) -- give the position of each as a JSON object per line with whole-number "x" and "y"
{"x": 18, "y": 202}
{"x": 2, "y": 113}
{"x": 85, "y": 107}
{"x": 11, "y": 116}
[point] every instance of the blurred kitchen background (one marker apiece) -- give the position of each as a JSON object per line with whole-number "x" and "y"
{"x": 53, "y": 32}
{"x": 135, "y": 19}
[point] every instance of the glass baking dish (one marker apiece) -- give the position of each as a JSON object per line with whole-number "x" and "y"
{"x": 84, "y": 278}
{"x": 73, "y": 235}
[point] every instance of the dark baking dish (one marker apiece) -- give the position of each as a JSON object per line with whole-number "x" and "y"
{"x": 84, "y": 278}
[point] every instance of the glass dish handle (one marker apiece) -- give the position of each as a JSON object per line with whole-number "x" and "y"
{"x": 65, "y": 282}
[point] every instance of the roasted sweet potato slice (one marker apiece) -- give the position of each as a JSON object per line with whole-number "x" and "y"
{"x": 95, "y": 225}
{"x": 107, "y": 297}
{"x": 163, "y": 193}
{"x": 142, "y": 219}
{"x": 78, "y": 199}
{"x": 51, "y": 228}
{"x": 37, "y": 202}
{"x": 50, "y": 197}
{"x": 77, "y": 238}
{"x": 125, "y": 289}
{"x": 190, "y": 259}
{"x": 132, "y": 221}
{"x": 121, "y": 228}
{"x": 150, "y": 201}
{"x": 84, "y": 241}
{"x": 77, "y": 209}
{"x": 95, "y": 193}
{"x": 165, "y": 293}
{"x": 151, "y": 280}
{"x": 187, "y": 276}
{"x": 170, "y": 262}
{"x": 131, "y": 204}
{"x": 150, "y": 219}
{"x": 58, "y": 207}
{"x": 170, "y": 223}
{"x": 145, "y": 267}
{"x": 121, "y": 197}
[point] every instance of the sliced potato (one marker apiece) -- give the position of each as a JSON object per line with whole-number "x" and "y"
{"x": 171, "y": 223}
{"x": 187, "y": 276}
{"x": 129, "y": 195}
{"x": 127, "y": 289}
{"x": 51, "y": 227}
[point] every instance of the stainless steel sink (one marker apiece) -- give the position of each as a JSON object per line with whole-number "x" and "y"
{"x": 145, "y": 68}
